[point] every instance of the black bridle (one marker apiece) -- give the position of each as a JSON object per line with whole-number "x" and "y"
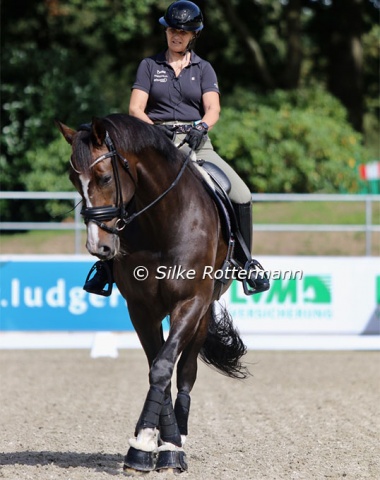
{"x": 99, "y": 215}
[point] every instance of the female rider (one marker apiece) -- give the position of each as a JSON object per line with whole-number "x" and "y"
{"x": 178, "y": 91}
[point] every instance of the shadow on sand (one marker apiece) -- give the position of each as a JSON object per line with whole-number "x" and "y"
{"x": 100, "y": 462}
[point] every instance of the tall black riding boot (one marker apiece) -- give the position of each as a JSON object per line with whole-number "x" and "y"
{"x": 257, "y": 279}
{"x": 102, "y": 281}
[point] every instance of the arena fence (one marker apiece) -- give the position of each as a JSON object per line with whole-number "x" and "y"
{"x": 368, "y": 227}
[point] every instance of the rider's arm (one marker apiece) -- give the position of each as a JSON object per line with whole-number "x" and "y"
{"x": 211, "y": 105}
{"x": 137, "y": 105}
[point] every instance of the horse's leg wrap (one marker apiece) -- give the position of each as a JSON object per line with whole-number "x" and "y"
{"x": 150, "y": 414}
{"x": 169, "y": 431}
{"x": 182, "y": 409}
{"x": 142, "y": 453}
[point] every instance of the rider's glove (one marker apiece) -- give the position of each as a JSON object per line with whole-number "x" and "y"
{"x": 197, "y": 136}
{"x": 167, "y": 131}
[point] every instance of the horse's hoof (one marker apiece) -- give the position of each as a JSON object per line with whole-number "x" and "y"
{"x": 173, "y": 460}
{"x": 139, "y": 461}
{"x": 131, "y": 472}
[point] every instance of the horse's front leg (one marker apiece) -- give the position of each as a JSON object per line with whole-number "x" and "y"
{"x": 174, "y": 423}
{"x": 158, "y": 412}
{"x": 170, "y": 452}
{"x": 142, "y": 453}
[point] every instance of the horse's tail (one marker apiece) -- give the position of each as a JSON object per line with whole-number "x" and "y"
{"x": 223, "y": 347}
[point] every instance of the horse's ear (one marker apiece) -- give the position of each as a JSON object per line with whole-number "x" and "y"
{"x": 67, "y": 132}
{"x": 98, "y": 132}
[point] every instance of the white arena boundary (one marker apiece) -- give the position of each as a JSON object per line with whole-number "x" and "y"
{"x": 108, "y": 344}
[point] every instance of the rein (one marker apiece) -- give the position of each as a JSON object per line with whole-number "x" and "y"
{"x": 99, "y": 215}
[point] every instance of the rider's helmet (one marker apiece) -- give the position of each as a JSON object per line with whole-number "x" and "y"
{"x": 183, "y": 15}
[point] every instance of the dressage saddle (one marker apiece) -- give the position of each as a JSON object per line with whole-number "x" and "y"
{"x": 236, "y": 234}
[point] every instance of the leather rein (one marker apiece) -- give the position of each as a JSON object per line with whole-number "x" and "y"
{"x": 99, "y": 215}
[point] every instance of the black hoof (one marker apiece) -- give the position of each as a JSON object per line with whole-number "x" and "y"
{"x": 139, "y": 460}
{"x": 175, "y": 460}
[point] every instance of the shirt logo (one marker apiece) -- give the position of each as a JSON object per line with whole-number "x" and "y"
{"x": 160, "y": 76}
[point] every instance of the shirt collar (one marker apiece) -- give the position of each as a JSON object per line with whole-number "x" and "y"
{"x": 161, "y": 58}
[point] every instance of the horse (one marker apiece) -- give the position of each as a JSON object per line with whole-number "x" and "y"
{"x": 146, "y": 207}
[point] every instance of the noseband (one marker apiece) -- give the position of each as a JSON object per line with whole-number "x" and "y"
{"x": 99, "y": 215}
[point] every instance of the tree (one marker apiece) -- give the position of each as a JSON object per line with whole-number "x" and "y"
{"x": 72, "y": 60}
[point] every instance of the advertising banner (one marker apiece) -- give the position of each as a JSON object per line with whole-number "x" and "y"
{"x": 308, "y": 295}
{"x": 325, "y": 295}
{"x": 44, "y": 293}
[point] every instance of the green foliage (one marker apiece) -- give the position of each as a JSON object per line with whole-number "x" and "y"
{"x": 31, "y": 103}
{"x": 290, "y": 142}
{"x": 53, "y": 162}
{"x": 72, "y": 60}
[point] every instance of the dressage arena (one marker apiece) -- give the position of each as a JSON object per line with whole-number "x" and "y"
{"x": 301, "y": 415}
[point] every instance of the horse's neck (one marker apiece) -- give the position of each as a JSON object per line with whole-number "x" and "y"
{"x": 154, "y": 178}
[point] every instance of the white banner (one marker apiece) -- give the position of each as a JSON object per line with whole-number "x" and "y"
{"x": 324, "y": 295}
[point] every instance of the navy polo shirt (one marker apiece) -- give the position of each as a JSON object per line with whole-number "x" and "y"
{"x": 174, "y": 98}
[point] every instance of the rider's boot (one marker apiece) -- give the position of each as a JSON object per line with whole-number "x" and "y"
{"x": 257, "y": 279}
{"x": 101, "y": 282}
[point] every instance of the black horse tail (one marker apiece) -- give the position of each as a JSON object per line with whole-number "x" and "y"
{"x": 223, "y": 347}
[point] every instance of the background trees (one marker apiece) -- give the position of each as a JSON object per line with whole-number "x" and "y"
{"x": 299, "y": 82}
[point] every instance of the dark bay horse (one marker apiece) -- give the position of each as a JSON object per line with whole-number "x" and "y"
{"x": 145, "y": 207}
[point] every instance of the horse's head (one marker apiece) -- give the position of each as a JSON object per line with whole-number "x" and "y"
{"x": 105, "y": 187}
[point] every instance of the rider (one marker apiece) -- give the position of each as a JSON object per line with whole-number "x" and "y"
{"x": 178, "y": 91}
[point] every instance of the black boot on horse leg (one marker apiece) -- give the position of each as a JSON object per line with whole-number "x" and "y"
{"x": 170, "y": 452}
{"x": 142, "y": 453}
{"x": 100, "y": 283}
{"x": 257, "y": 280}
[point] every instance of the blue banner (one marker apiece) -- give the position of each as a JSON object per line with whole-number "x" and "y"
{"x": 46, "y": 294}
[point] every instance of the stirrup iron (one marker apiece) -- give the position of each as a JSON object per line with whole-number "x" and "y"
{"x": 257, "y": 280}
{"x": 101, "y": 268}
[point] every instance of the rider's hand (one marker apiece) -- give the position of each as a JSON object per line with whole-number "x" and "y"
{"x": 197, "y": 136}
{"x": 167, "y": 131}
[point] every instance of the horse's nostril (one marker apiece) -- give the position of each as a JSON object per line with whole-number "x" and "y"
{"x": 104, "y": 252}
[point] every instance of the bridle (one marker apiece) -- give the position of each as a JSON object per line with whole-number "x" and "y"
{"x": 99, "y": 215}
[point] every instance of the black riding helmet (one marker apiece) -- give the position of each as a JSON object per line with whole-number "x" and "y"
{"x": 183, "y": 15}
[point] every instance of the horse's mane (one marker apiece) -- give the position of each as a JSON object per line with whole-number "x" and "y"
{"x": 129, "y": 134}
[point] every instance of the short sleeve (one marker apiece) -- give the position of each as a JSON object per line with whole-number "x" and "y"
{"x": 209, "y": 79}
{"x": 143, "y": 77}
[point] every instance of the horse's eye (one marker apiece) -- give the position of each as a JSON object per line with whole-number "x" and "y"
{"x": 106, "y": 180}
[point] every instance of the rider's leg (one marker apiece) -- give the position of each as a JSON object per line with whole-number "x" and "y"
{"x": 240, "y": 197}
{"x": 101, "y": 282}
